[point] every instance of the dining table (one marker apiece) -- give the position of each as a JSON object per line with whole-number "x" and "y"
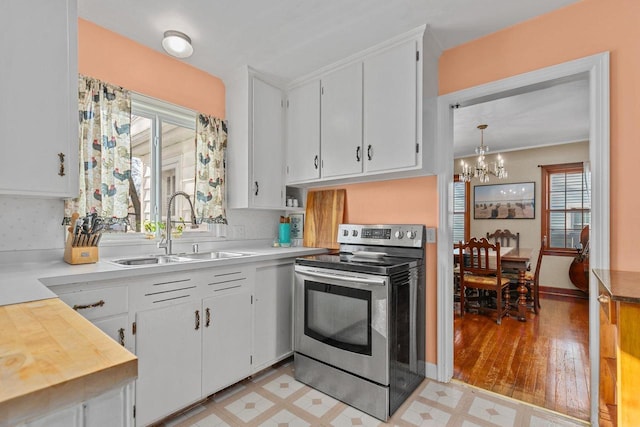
{"x": 516, "y": 260}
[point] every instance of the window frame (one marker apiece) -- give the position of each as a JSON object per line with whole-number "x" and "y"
{"x": 467, "y": 207}
{"x": 546, "y": 172}
{"x": 159, "y": 111}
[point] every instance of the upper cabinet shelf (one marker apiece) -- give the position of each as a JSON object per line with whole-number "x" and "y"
{"x": 39, "y": 102}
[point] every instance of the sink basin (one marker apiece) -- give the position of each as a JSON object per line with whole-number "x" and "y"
{"x": 214, "y": 255}
{"x": 151, "y": 260}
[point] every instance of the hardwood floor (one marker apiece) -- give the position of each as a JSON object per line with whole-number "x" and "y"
{"x": 543, "y": 361}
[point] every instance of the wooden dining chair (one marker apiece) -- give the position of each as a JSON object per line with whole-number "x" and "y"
{"x": 505, "y": 237}
{"x": 481, "y": 269}
{"x": 532, "y": 282}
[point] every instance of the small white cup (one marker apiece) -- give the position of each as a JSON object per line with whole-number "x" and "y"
{"x": 295, "y": 203}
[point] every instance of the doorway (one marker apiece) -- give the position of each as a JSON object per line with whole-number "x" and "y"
{"x": 596, "y": 69}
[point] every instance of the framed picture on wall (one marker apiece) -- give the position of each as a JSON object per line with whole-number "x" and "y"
{"x": 505, "y": 201}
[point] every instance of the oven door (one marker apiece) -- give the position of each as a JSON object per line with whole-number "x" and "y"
{"x": 341, "y": 318}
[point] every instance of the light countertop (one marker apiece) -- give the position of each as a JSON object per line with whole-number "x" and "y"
{"x": 33, "y": 281}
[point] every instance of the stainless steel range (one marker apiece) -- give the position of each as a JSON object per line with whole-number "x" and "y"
{"x": 360, "y": 319}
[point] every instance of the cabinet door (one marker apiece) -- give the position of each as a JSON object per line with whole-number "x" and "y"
{"x": 111, "y": 409}
{"x": 390, "y": 109}
{"x": 116, "y": 328}
{"x": 341, "y": 122}
{"x": 68, "y": 417}
{"x": 303, "y": 133}
{"x": 272, "y": 315}
{"x": 268, "y": 137}
{"x": 168, "y": 346}
{"x": 226, "y": 338}
{"x": 39, "y": 102}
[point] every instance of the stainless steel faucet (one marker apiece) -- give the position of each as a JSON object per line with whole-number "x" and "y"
{"x": 167, "y": 242}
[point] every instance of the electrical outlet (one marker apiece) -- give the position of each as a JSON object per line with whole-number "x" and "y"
{"x": 431, "y": 235}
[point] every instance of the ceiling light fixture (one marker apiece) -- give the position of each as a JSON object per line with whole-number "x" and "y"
{"x": 482, "y": 169}
{"x": 177, "y": 44}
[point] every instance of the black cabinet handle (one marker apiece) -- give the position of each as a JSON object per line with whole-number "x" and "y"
{"x": 207, "y": 321}
{"x": 61, "y": 157}
{"x": 315, "y": 162}
{"x": 92, "y": 305}
{"x": 121, "y": 336}
{"x": 369, "y": 152}
{"x": 358, "y": 153}
{"x": 197, "y": 319}
{"x": 257, "y": 188}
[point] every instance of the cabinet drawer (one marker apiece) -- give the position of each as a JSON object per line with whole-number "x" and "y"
{"x": 97, "y": 303}
{"x": 156, "y": 290}
{"x": 222, "y": 279}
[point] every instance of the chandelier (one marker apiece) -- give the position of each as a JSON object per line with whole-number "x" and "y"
{"x": 482, "y": 168}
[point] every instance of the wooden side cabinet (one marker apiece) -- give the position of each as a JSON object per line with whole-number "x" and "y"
{"x": 619, "y": 296}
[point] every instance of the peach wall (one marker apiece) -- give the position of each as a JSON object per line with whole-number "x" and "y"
{"x": 113, "y": 58}
{"x": 403, "y": 201}
{"x": 582, "y": 29}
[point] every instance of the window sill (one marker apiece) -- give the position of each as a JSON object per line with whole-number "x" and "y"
{"x": 561, "y": 252}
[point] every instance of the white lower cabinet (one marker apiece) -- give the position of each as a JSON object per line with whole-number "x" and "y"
{"x": 226, "y": 339}
{"x": 169, "y": 358}
{"x": 194, "y": 333}
{"x": 192, "y": 337}
{"x": 272, "y": 314}
{"x": 110, "y": 409}
{"x": 105, "y": 304}
{"x": 68, "y": 417}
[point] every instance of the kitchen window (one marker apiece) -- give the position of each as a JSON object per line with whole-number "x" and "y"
{"x": 566, "y": 206}
{"x": 461, "y": 204}
{"x": 162, "y": 162}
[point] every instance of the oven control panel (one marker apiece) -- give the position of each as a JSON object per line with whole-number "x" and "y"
{"x": 406, "y": 235}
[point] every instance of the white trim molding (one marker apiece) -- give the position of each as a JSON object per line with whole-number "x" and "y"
{"x": 595, "y": 68}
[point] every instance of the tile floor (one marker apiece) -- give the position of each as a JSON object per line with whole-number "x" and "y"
{"x": 275, "y": 398}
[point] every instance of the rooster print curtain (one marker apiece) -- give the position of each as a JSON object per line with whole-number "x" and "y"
{"x": 211, "y": 146}
{"x": 105, "y": 151}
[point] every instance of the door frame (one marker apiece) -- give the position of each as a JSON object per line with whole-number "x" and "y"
{"x": 596, "y": 69}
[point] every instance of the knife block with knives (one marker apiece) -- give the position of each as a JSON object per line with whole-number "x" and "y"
{"x": 82, "y": 240}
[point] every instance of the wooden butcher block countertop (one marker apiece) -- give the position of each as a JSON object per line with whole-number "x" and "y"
{"x": 51, "y": 357}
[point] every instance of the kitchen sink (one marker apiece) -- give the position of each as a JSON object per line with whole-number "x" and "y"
{"x": 151, "y": 260}
{"x": 214, "y": 255}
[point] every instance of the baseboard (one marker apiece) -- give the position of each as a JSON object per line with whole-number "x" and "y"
{"x": 549, "y": 291}
{"x": 431, "y": 371}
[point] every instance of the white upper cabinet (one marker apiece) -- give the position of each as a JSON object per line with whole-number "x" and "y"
{"x": 267, "y": 190}
{"x": 391, "y": 106}
{"x": 374, "y": 119}
{"x": 341, "y": 128}
{"x": 303, "y": 133}
{"x": 39, "y": 102}
{"x": 255, "y": 120}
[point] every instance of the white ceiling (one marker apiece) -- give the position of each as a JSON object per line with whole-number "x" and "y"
{"x": 554, "y": 115}
{"x": 291, "y": 38}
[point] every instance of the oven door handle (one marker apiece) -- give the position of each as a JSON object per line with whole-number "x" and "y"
{"x": 343, "y": 278}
